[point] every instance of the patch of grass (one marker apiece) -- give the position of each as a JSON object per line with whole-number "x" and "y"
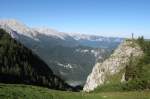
{"x": 113, "y": 84}
{"x": 14, "y": 91}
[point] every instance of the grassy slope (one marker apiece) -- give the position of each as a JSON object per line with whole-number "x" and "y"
{"x": 113, "y": 85}
{"x": 14, "y": 91}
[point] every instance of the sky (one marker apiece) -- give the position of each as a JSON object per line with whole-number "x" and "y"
{"x": 117, "y": 18}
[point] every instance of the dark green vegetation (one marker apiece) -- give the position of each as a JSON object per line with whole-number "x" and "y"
{"x": 9, "y": 91}
{"x": 138, "y": 71}
{"x": 19, "y": 65}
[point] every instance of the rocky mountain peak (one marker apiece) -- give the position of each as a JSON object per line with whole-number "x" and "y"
{"x": 14, "y": 24}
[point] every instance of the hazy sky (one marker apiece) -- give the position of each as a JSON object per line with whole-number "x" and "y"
{"x": 102, "y": 17}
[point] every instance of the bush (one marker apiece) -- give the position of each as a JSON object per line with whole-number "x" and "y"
{"x": 137, "y": 72}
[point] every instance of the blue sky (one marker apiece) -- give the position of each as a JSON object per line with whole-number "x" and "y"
{"x": 102, "y": 17}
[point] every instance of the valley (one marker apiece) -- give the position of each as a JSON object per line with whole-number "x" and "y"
{"x": 74, "y": 49}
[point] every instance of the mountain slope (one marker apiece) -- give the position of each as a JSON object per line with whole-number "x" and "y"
{"x": 113, "y": 65}
{"x": 19, "y": 65}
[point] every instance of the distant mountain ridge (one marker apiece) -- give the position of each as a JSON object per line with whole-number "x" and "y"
{"x": 33, "y": 33}
{"x": 97, "y": 41}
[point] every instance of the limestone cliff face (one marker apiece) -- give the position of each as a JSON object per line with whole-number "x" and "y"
{"x": 116, "y": 62}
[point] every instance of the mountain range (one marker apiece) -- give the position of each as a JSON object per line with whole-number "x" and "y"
{"x": 70, "y": 55}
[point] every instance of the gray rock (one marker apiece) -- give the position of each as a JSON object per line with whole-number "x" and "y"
{"x": 116, "y": 62}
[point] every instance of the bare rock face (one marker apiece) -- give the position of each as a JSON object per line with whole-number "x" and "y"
{"x": 114, "y": 64}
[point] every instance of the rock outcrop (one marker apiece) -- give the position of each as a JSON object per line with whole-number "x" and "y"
{"x": 114, "y": 64}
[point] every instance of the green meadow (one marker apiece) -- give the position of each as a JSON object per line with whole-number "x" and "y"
{"x": 18, "y": 91}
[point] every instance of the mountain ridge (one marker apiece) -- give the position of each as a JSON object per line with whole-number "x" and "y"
{"x": 22, "y": 28}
